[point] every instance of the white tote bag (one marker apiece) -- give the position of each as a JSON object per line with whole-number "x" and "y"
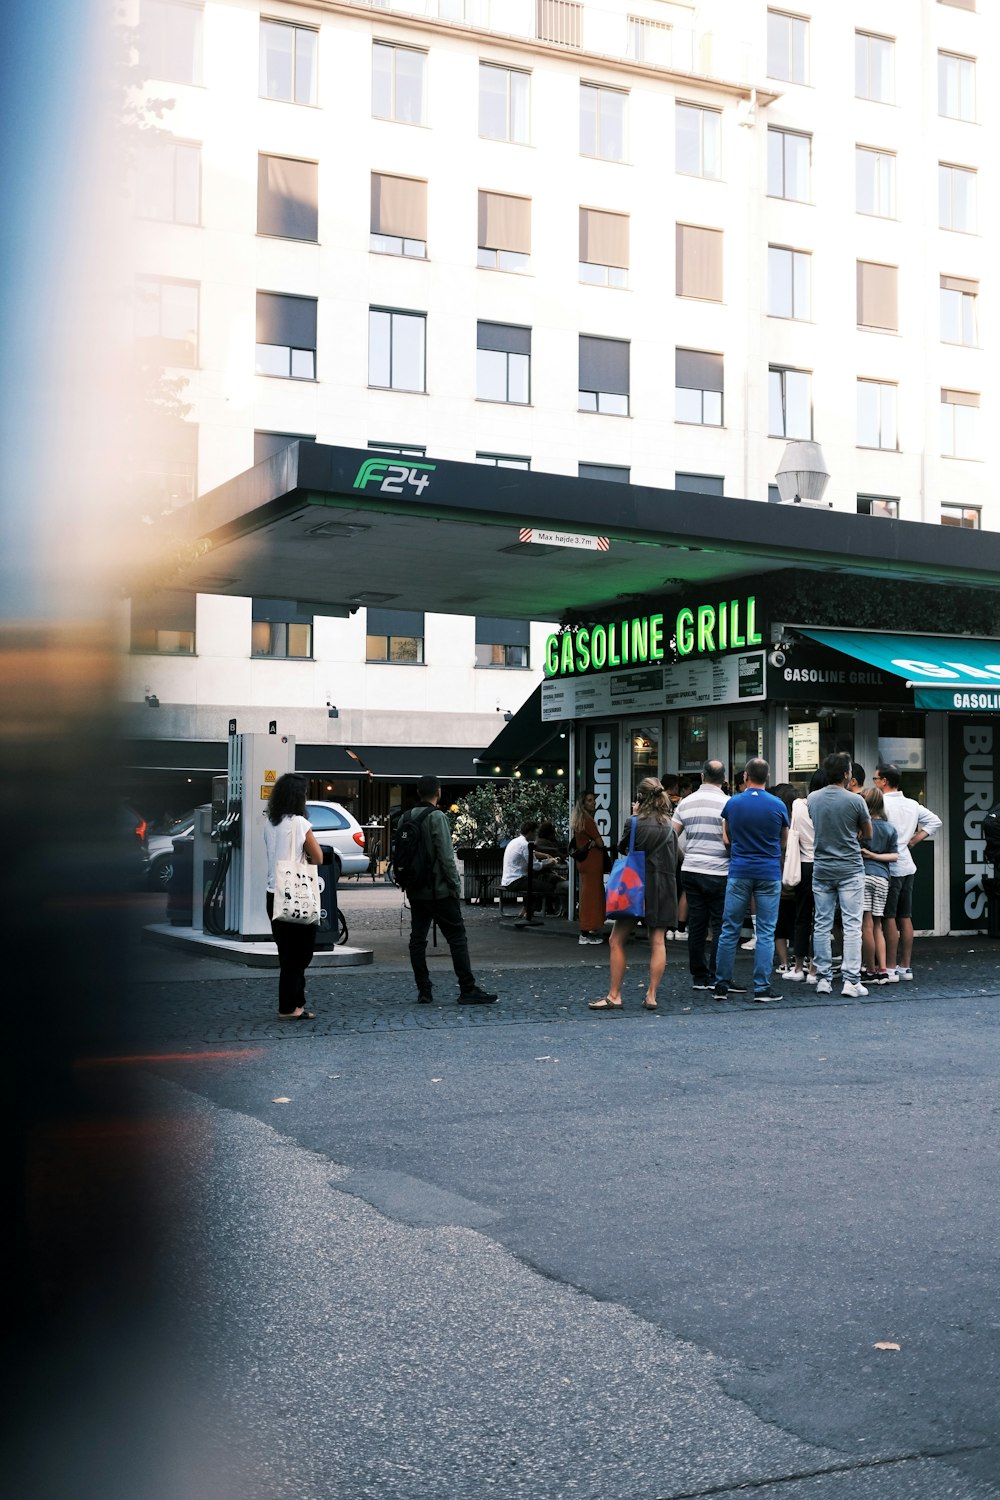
{"x": 296, "y": 891}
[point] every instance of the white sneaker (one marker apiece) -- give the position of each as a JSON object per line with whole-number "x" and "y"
{"x": 824, "y": 987}
{"x": 589, "y": 938}
{"x": 796, "y": 975}
{"x": 812, "y": 978}
{"x": 890, "y": 977}
{"x": 904, "y": 973}
{"x": 855, "y": 991}
{"x": 749, "y": 945}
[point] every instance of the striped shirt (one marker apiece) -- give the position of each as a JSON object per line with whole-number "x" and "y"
{"x": 700, "y": 817}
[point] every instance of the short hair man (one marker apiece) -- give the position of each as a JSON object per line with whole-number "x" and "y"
{"x": 698, "y": 816}
{"x": 755, "y": 827}
{"x": 857, "y": 777}
{"x": 839, "y": 817}
{"x": 544, "y": 876}
{"x": 436, "y": 899}
{"x": 913, "y": 823}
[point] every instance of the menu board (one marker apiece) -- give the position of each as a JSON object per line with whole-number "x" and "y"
{"x": 705, "y": 682}
{"x": 804, "y": 744}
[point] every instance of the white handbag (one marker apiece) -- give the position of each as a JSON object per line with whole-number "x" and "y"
{"x": 296, "y": 892}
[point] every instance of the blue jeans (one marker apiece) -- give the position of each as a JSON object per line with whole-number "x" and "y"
{"x": 850, "y": 892}
{"x": 740, "y": 890}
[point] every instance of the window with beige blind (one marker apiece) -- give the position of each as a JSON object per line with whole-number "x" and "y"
{"x": 287, "y": 197}
{"x": 163, "y": 624}
{"x": 959, "y": 297}
{"x": 604, "y": 375}
{"x": 603, "y": 247}
{"x": 559, "y": 21}
{"x": 878, "y": 296}
{"x": 504, "y": 232}
{"x": 699, "y": 262}
{"x": 286, "y": 336}
{"x": 399, "y": 215}
{"x": 959, "y": 424}
{"x": 698, "y": 386}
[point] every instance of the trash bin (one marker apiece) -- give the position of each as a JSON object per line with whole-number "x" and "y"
{"x": 180, "y": 887}
{"x": 329, "y": 921}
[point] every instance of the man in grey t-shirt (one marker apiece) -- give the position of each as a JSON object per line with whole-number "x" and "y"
{"x": 839, "y": 817}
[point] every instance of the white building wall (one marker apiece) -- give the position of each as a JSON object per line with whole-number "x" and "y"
{"x": 231, "y": 262}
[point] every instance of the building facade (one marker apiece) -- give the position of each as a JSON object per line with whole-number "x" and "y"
{"x": 641, "y": 240}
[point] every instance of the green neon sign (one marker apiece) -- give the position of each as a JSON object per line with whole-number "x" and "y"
{"x": 643, "y": 640}
{"x": 392, "y": 476}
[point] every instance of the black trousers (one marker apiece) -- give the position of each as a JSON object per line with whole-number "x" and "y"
{"x": 706, "y": 899}
{"x": 447, "y": 913}
{"x": 804, "y": 911}
{"x": 296, "y": 945}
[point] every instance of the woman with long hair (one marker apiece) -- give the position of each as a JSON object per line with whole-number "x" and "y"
{"x": 289, "y": 836}
{"x": 654, "y": 835}
{"x": 586, "y": 836}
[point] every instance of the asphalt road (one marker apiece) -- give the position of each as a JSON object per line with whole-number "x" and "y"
{"x": 528, "y": 1251}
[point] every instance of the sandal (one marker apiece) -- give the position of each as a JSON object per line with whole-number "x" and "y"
{"x": 649, "y": 1005}
{"x": 606, "y": 1004}
{"x": 303, "y": 1015}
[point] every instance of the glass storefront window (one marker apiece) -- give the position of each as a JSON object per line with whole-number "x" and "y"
{"x": 746, "y": 739}
{"x": 692, "y": 741}
{"x": 645, "y": 754}
{"x": 902, "y": 743}
{"x": 811, "y": 738}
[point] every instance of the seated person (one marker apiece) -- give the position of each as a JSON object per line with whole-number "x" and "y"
{"x": 547, "y": 842}
{"x": 515, "y": 867}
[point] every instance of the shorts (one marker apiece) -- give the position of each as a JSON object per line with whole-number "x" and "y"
{"x": 899, "y": 902}
{"x": 876, "y": 894}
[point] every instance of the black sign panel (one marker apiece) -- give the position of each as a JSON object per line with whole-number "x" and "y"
{"x": 811, "y": 673}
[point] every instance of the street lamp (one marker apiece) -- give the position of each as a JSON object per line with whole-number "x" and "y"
{"x": 803, "y": 476}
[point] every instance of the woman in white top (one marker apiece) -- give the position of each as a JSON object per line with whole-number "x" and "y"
{"x": 804, "y": 909}
{"x": 288, "y": 836}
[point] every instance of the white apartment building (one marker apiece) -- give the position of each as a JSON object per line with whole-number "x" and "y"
{"x": 634, "y": 240}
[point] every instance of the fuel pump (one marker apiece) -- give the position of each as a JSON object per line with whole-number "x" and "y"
{"x": 234, "y": 902}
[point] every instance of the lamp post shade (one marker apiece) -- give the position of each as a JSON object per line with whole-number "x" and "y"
{"x": 803, "y": 475}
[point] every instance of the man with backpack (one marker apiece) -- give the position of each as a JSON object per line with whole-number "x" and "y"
{"x": 425, "y": 868}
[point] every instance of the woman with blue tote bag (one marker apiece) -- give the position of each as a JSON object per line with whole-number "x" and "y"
{"x": 650, "y": 835}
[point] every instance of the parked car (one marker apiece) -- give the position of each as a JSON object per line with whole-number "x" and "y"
{"x": 132, "y": 844}
{"x": 335, "y": 826}
{"x": 161, "y": 851}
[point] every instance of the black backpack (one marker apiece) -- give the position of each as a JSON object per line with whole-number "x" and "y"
{"x": 412, "y": 862}
{"x": 991, "y": 834}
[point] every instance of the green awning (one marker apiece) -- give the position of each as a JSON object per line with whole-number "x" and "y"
{"x": 958, "y": 672}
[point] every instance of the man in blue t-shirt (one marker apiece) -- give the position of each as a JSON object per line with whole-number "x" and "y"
{"x": 755, "y": 826}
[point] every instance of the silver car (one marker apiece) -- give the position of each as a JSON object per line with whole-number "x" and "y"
{"x": 335, "y": 826}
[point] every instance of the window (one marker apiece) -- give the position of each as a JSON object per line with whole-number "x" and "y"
{"x": 267, "y": 444}
{"x": 787, "y": 282}
{"x": 169, "y": 474}
{"x": 288, "y": 56}
{"x": 877, "y": 296}
{"x": 400, "y": 450}
{"x": 886, "y": 506}
{"x": 876, "y": 415}
{"x": 965, "y": 516}
{"x": 503, "y": 104}
{"x": 789, "y": 403}
{"x": 875, "y": 177}
{"x": 788, "y": 156}
{"x": 959, "y": 4}
{"x": 602, "y": 122}
{"x": 395, "y": 635}
{"x": 396, "y": 349}
{"x": 502, "y": 643}
{"x": 287, "y": 197}
{"x": 957, "y": 198}
{"x": 699, "y": 262}
{"x": 610, "y": 473}
{"x": 164, "y": 624}
{"x": 700, "y": 484}
{"x": 956, "y": 86}
{"x": 559, "y": 21}
{"x": 286, "y": 336}
{"x": 603, "y": 247}
{"x": 281, "y": 630}
{"x": 773, "y": 495}
{"x": 787, "y": 47}
{"x": 168, "y": 180}
{"x": 399, "y": 215}
{"x": 959, "y": 424}
{"x": 958, "y": 310}
{"x": 604, "y": 375}
{"x": 503, "y": 460}
{"x": 170, "y": 40}
{"x": 698, "y": 137}
{"x": 873, "y": 67}
{"x": 698, "y": 387}
{"x": 649, "y": 41}
{"x": 398, "y": 83}
{"x": 503, "y": 363}
{"x": 166, "y": 320}
{"x": 504, "y": 232}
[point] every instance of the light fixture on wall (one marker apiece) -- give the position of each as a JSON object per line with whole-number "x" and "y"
{"x": 803, "y": 476}
{"x": 332, "y": 711}
{"x": 152, "y": 701}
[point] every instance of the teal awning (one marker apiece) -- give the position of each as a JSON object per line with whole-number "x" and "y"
{"x": 958, "y": 672}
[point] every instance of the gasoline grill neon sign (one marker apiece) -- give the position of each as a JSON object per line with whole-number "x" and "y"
{"x": 646, "y": 639}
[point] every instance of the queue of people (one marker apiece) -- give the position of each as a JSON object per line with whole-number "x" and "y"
{"x": 797, "y": 864}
